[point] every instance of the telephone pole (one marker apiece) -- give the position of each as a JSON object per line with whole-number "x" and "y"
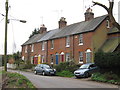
{"x": 5, "y": 44}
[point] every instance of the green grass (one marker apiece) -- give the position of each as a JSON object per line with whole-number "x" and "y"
{"x": 15, "y": 80}
{"x": 106, "y": 77}
{"x": 65, "y": 74}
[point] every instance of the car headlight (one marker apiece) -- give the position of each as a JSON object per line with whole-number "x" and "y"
{"x": 54, "y": 69}
{"x": 81, "y": 72}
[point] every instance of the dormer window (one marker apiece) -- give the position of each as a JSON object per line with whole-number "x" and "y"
{"x": 43, "y": 45}
{"x": 32, "y": 48}
{"x": 107, "y": 23}
{"x": 68, "y": 41}
{"x": 81, "y": 39}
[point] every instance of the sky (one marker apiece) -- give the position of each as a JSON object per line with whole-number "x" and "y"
{"x": 37, "y": 12}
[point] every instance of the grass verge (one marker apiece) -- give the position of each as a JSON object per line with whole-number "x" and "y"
{"x": 65, "y": 74}
{"x": 15, "y": 80}
{"x": 106, "y": 77}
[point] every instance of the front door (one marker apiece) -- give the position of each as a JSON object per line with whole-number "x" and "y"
{"x": 57, "y": 58}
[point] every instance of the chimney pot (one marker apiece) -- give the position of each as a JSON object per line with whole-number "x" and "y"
{"x": 89, "y": 14}
{"x": 62, "y": 22}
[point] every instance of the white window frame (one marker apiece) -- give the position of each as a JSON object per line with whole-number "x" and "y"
{"x": 52, "y": 44}
{"x": 67, "y": 57}
{"x": 42, "y": 58}
{"x": 43, "y": 45}
{"x": 81, "y": 39}
{"x": 32, "y": 48}
{"x": 26, "y": 47}
{"x": 68, "y": 41}
{"x": 52, "y": 59}
{"x": 80, "y": 57}
{"x": 88, "y": 56}
{"x": 107, "y": 23}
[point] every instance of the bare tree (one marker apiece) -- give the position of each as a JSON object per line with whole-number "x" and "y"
{"x": 109, "y": 11}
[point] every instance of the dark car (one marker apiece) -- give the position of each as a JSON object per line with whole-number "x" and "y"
{"x": 86, "y": 70}
{"x": 44, "y": 69}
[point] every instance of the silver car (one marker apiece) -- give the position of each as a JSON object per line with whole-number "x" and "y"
{"x": 86, "y": 70}
{"x": 44, "y": 69}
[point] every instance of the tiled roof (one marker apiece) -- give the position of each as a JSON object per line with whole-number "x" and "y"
{"x": 111, "y": 44}
{"x": 76, "y": 28}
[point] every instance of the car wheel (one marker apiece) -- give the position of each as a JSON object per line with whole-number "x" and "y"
{"x": 86, "y": 74}
{"x": 35, "y": 72}
{"x": 43, "y": 73}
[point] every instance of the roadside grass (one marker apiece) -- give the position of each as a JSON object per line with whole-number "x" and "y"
{"x": 65, "y": 74}
{"x": 15, "y": 80}
{"x": 106, "y": 77}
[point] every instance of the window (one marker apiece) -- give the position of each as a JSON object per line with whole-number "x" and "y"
{"x": 32, "y": 48}
{"x": 67, "y": 41}
{"x": 67, "y": 57}
{"x": 43, "y": 45}
{"x": 26, "y": 49}
{"x": 52, "y": 44}
{"x": 51, "y": 58}
{"x": 88, "y": 56}
{"x": 108, "y": 24}
{"x": 42, "y": 58}
{"x": 81, "y": 39}
{"x": 80, "y": 57}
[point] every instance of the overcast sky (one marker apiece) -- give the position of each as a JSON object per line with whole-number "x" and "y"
{"x": 36, "y": 12}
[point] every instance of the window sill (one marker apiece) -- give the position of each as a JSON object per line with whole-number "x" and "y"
{"x": 80, "y": 44}
{"x": 52, "y": 48}
{"x": 80, "y": 62}
{"x": 68, "y": 46}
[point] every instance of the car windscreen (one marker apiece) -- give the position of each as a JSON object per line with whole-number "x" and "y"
{"x": 84, "y": 66}
{"x": 46, "y": 66}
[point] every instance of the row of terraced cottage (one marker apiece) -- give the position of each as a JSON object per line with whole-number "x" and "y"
{"x": 78, "y": 41}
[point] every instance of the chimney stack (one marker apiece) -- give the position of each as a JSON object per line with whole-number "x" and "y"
{"x": 89, "y": 14}
{"x": 62, "y": 22}
{"x": 43, "y": 29}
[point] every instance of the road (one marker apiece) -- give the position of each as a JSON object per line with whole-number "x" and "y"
{"x": 61, "y": 82}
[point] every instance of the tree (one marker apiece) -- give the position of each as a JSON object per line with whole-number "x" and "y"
{"x": 109, "y": 11}
{"x": 36, "y": 31}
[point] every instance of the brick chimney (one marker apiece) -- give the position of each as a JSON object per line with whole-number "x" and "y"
{"x": 43, "y": 29}
{"x": 62, "y": 22}
{"x": 89, "y": 14}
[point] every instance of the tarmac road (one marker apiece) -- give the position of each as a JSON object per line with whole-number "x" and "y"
{"x": 62, "y": 82}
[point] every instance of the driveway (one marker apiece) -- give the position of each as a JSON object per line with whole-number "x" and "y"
{"x": 62, "y": 82}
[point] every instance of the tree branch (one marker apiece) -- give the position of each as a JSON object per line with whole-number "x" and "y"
{"x": 97, "y": 3}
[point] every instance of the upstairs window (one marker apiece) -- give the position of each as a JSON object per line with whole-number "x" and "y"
{"x": 80, "y": 57}
{"x": 26, "y": 47}
{"x": 81, "y": 39}
{"x": 32, "y": 48}
{"x": 107, "y": 24}
{"x": 52, "y": 44}
{"x": 43, "y": 45}
{"x": 68, "y": 41}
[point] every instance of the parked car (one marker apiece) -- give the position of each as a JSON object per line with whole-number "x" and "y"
{"x": 86, "y": 70}
{"x": 44, "y": 69}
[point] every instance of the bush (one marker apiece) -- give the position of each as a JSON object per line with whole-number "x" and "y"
{"x": 108, "y": 61}
{"x": 67, "y": 66}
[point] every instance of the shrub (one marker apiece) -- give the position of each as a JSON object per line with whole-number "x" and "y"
{"x": 108, "y": 60}
{"x": 68, "y": 66}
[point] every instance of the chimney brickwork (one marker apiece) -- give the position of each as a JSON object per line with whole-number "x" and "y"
{"x": 62, "y": 22}
{"x": 89, "y": 14}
